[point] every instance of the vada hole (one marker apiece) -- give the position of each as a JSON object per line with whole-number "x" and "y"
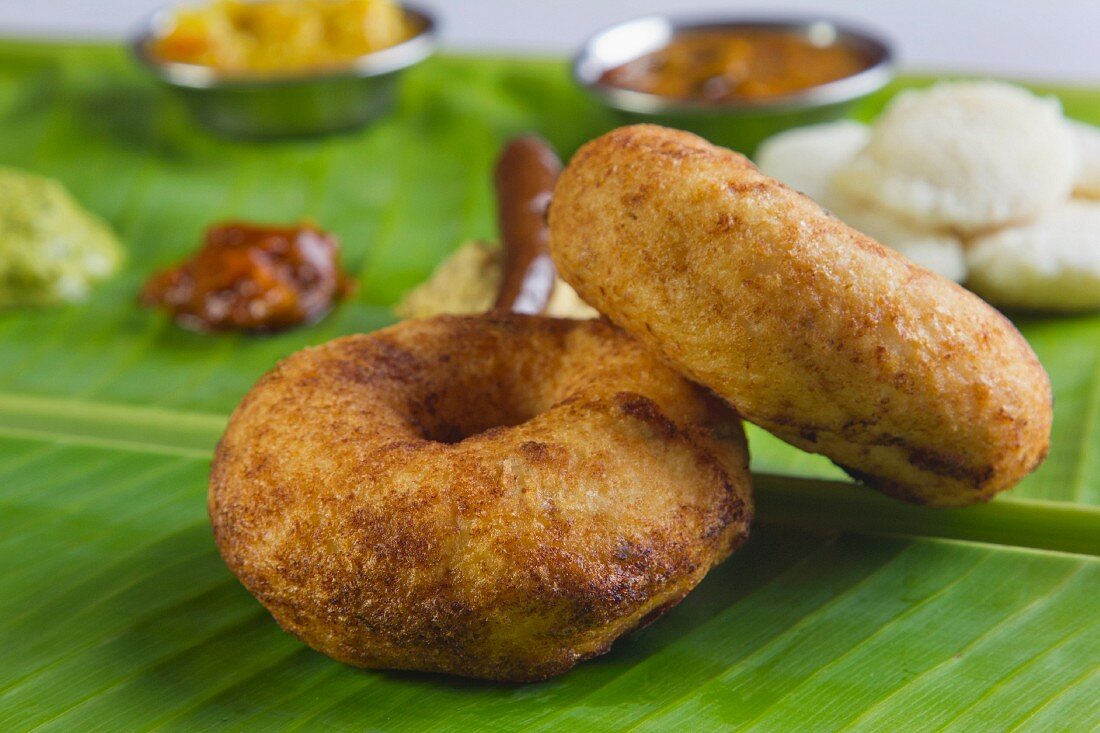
{"x": 452, "y": 419}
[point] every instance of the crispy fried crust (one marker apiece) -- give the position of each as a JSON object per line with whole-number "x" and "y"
{"x": 498, "y": 496}
{"x": 807, "y": 327}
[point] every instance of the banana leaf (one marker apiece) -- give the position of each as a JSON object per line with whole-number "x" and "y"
{"x": 844, "y": 612}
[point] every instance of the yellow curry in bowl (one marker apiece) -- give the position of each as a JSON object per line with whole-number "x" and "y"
{"x": 282, "y": 35}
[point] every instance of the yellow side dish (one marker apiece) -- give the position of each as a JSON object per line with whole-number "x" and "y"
{"x": 282, "y": 35}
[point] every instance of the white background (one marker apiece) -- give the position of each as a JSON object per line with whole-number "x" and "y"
{"x": 1041, "y": 39}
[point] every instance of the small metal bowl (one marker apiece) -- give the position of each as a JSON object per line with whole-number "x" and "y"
{"x": 737, "y": 124}
{"x": 262, "y": 105}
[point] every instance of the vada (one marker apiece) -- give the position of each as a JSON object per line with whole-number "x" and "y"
{"x": 498, "y": 496}
{"x": 808, "y": 328}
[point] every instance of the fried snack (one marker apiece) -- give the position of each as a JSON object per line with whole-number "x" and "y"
{"x": 808, "y": 328}
{"x": 497, "y": 496}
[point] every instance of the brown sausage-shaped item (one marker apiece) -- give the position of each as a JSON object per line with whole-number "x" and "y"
{"x": 525, "y": 176}
{"x": 809, "y": 328}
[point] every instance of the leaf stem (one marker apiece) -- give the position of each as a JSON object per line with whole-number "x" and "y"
{"x": 1047, "y": 525}
{"x": 814, "y": 503}
{"x": 151, "y": 429}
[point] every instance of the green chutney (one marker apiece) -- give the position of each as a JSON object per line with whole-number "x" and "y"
{"x": 52, "y": 250}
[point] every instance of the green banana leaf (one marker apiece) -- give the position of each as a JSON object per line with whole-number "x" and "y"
{"x": 845, "y": 611}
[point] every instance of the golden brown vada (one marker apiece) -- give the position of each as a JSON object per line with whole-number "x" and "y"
{"x": 810, "y": 329}
{"x": 498, "y": 496}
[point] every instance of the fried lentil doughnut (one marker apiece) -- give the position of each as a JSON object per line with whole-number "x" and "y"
{"x": 808, "y": 328}
{"x": 498, "y": 496}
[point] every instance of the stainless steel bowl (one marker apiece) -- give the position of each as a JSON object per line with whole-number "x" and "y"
{"x": 288, "y": 105}
{"x": 737, "y": 124}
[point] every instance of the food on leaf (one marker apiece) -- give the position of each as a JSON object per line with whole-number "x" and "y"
{"x": 1050, "y": 264}
{"x": 468, "y": 281}
{"x": 972, "y": 180}
{"x": 814, "y": 331}
{"x": 1087, "y": 137}
{"x": 524, "y": 180}
{"x": 251, "y": 277}
{"x": 519, "y": 276}
{"x": 497, "y": 496}
{"x": 52, "y": 250}
{"x": 967, "y": 155}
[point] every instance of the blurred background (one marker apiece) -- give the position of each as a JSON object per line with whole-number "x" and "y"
{"x": 1053, "y": 40}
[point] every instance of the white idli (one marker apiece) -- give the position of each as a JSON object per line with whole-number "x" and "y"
{"x": 1050, "y": 264}
{"x": 939, "y": 251}
{"x": 1088, "y": 150}
{"x": 967, "y": 155}
{"x": 806, "y": 158}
